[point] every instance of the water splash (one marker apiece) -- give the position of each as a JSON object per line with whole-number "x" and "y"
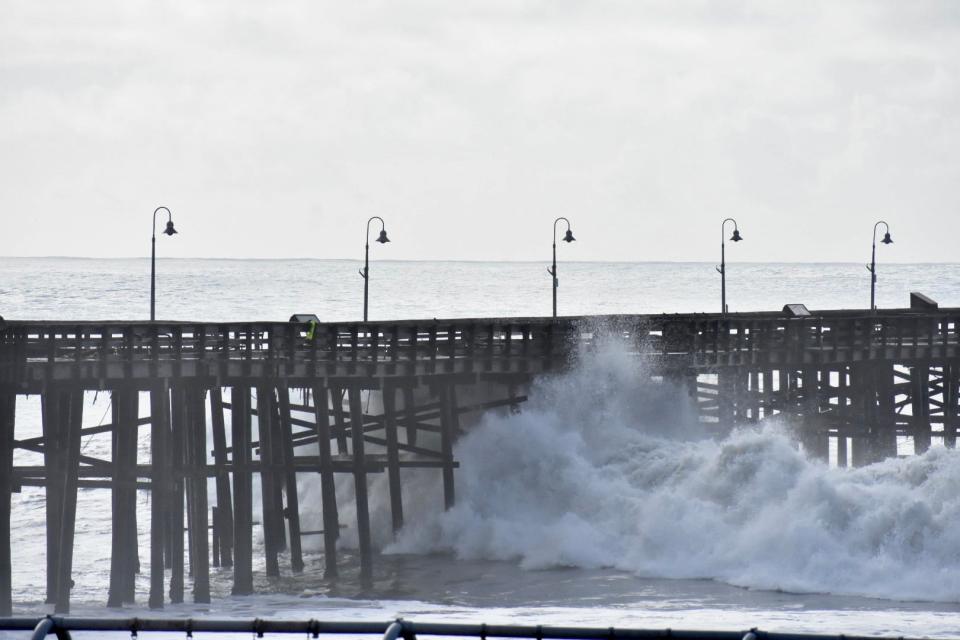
{"x": 606, "y": 468}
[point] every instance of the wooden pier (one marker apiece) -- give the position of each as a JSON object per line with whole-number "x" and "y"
{"x": 285, "y": 399}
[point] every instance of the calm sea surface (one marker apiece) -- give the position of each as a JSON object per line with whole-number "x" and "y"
{"x": 620, "y": 518}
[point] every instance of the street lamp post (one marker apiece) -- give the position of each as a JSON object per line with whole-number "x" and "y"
{"x": 723, "y": 260}
{"x": 872, "y": 268}
{"x": 365, "y": 272}
{"x": 153, "y": 257}
{"x": 568, "y": 237}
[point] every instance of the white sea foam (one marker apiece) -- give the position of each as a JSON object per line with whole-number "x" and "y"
{"x": 606, "y": 469}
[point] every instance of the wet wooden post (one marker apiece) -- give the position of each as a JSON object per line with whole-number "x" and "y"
{"x": 881, "y": 440}
{"x": 214, "y": 537}
{"x": 123, "y": 555}
{"x": 188, "y": 485}
{"x": 340, "y": 427}
{"x": 816, "y": 440}
{"x": 8, "y": 403}
{"x": 223, "y": 523}
{"x": 133, "y": 549}
{"x": 275, "y": 447}
{"x": 951, "y": 404}
{"x": 785, "y": 390}
{"x": 197, "y": 488}
{"x": 287, "y": 461}
{"x": 71, "y": 419}
{"x": 725, "y": 399}
{"x": 449, "y": 426}
{"x": 127, "y": 441}
{"x": 866, "y": 392}
{"x": 886, "y": 420}
{"x": 753, "y": 384}
{"x": 53, "y": 462}
{"x": 265, "y": 419}
{"x": 410, "y": 414}
{"x": 360, "y": 485}
{"x": 328, "y": 488}
{"x": 769, "y": 399}
{"x": 240, "y": 427}
{"x": 824, "y": 408}
{"x": 860, "y": 408}
{"x": 920, "y": 404}
{"x": 177, "y": 427}
{"x": 393, "y": 455}
{"x": 159, "y": 500}
{"x": 842, "y": 413}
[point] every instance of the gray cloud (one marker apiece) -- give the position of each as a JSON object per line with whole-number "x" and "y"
{"x": 275, "y": 130}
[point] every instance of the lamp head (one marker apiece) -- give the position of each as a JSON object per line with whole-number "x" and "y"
{"x": 887, "y": 239}
{"x": 736, "y": 236}
{"x": 383, "y": 237}
{"x": 170, "y": 230}
{"x": 569, "y": 236}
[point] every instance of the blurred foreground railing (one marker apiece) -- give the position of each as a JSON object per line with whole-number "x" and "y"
{"x": 392, "y": 630}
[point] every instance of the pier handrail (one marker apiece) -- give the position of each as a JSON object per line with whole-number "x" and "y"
{"x": 61, "y": 626}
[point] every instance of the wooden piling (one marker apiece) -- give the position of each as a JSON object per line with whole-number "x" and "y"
{"x": 861, "y": 405}
{"x": 71, "y": 419}
{"x": 214, "y": 537}
{"x": 133, "y": 549}
{"x": 920, "y": 408}
{"x": 886, "y": 420}
{"x": 753, "y": 387}
{"x": 726, "y": 406}
{"x": 224, "y": 520}
{"x": 268, "y": 487}
{"x": 242, "y": 491}
{"x": 951, "y": 404}
{"x": 816, "y": 442}
{"x": 769, "y": 398}
{"x": 197, "y": 487}
{"x": 123, "y": 555}
{"x": 360, "y": 484}
{"x": 159, "y": 494}
{"x": 339, "y": 427}
{"x": 188, "y": 485}
{"x": 449, "y": 426}
{"x": 843, "y": 396}
{"x": 393, "y": 455}
{"x": 178, "y": 420}
{"x": 331, "y": 519}
{"x": 285, "y": 449}
{"x": 410, "y": 413}
{"x": 872, "y": 391}
{"x": 53, "y": 462}
{"x": 277, "y": 471}
{"x": 8, "y": 403}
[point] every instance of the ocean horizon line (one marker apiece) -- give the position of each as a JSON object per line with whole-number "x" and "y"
{"x": 466, "y": 261}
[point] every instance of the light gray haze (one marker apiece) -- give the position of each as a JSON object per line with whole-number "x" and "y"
{"x": 274, "y": 129}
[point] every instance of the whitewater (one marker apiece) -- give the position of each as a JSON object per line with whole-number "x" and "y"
{"x": 603, "y": 502}
{"x": 602, "y": 470}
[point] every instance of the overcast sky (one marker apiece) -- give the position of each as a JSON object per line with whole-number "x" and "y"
{"x": 275, "y": 129}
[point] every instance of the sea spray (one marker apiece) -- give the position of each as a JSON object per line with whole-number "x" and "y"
{"x": 606, "y": 468}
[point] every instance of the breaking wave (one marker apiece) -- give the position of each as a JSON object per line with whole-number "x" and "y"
{"x": 605, "y": 468}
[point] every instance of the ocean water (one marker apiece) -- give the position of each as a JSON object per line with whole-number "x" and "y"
{"x": 602, "y": 503}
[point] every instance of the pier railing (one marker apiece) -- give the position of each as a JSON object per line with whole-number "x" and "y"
{"x": 109, "y": 350}
{"x": 391, "y": 630}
